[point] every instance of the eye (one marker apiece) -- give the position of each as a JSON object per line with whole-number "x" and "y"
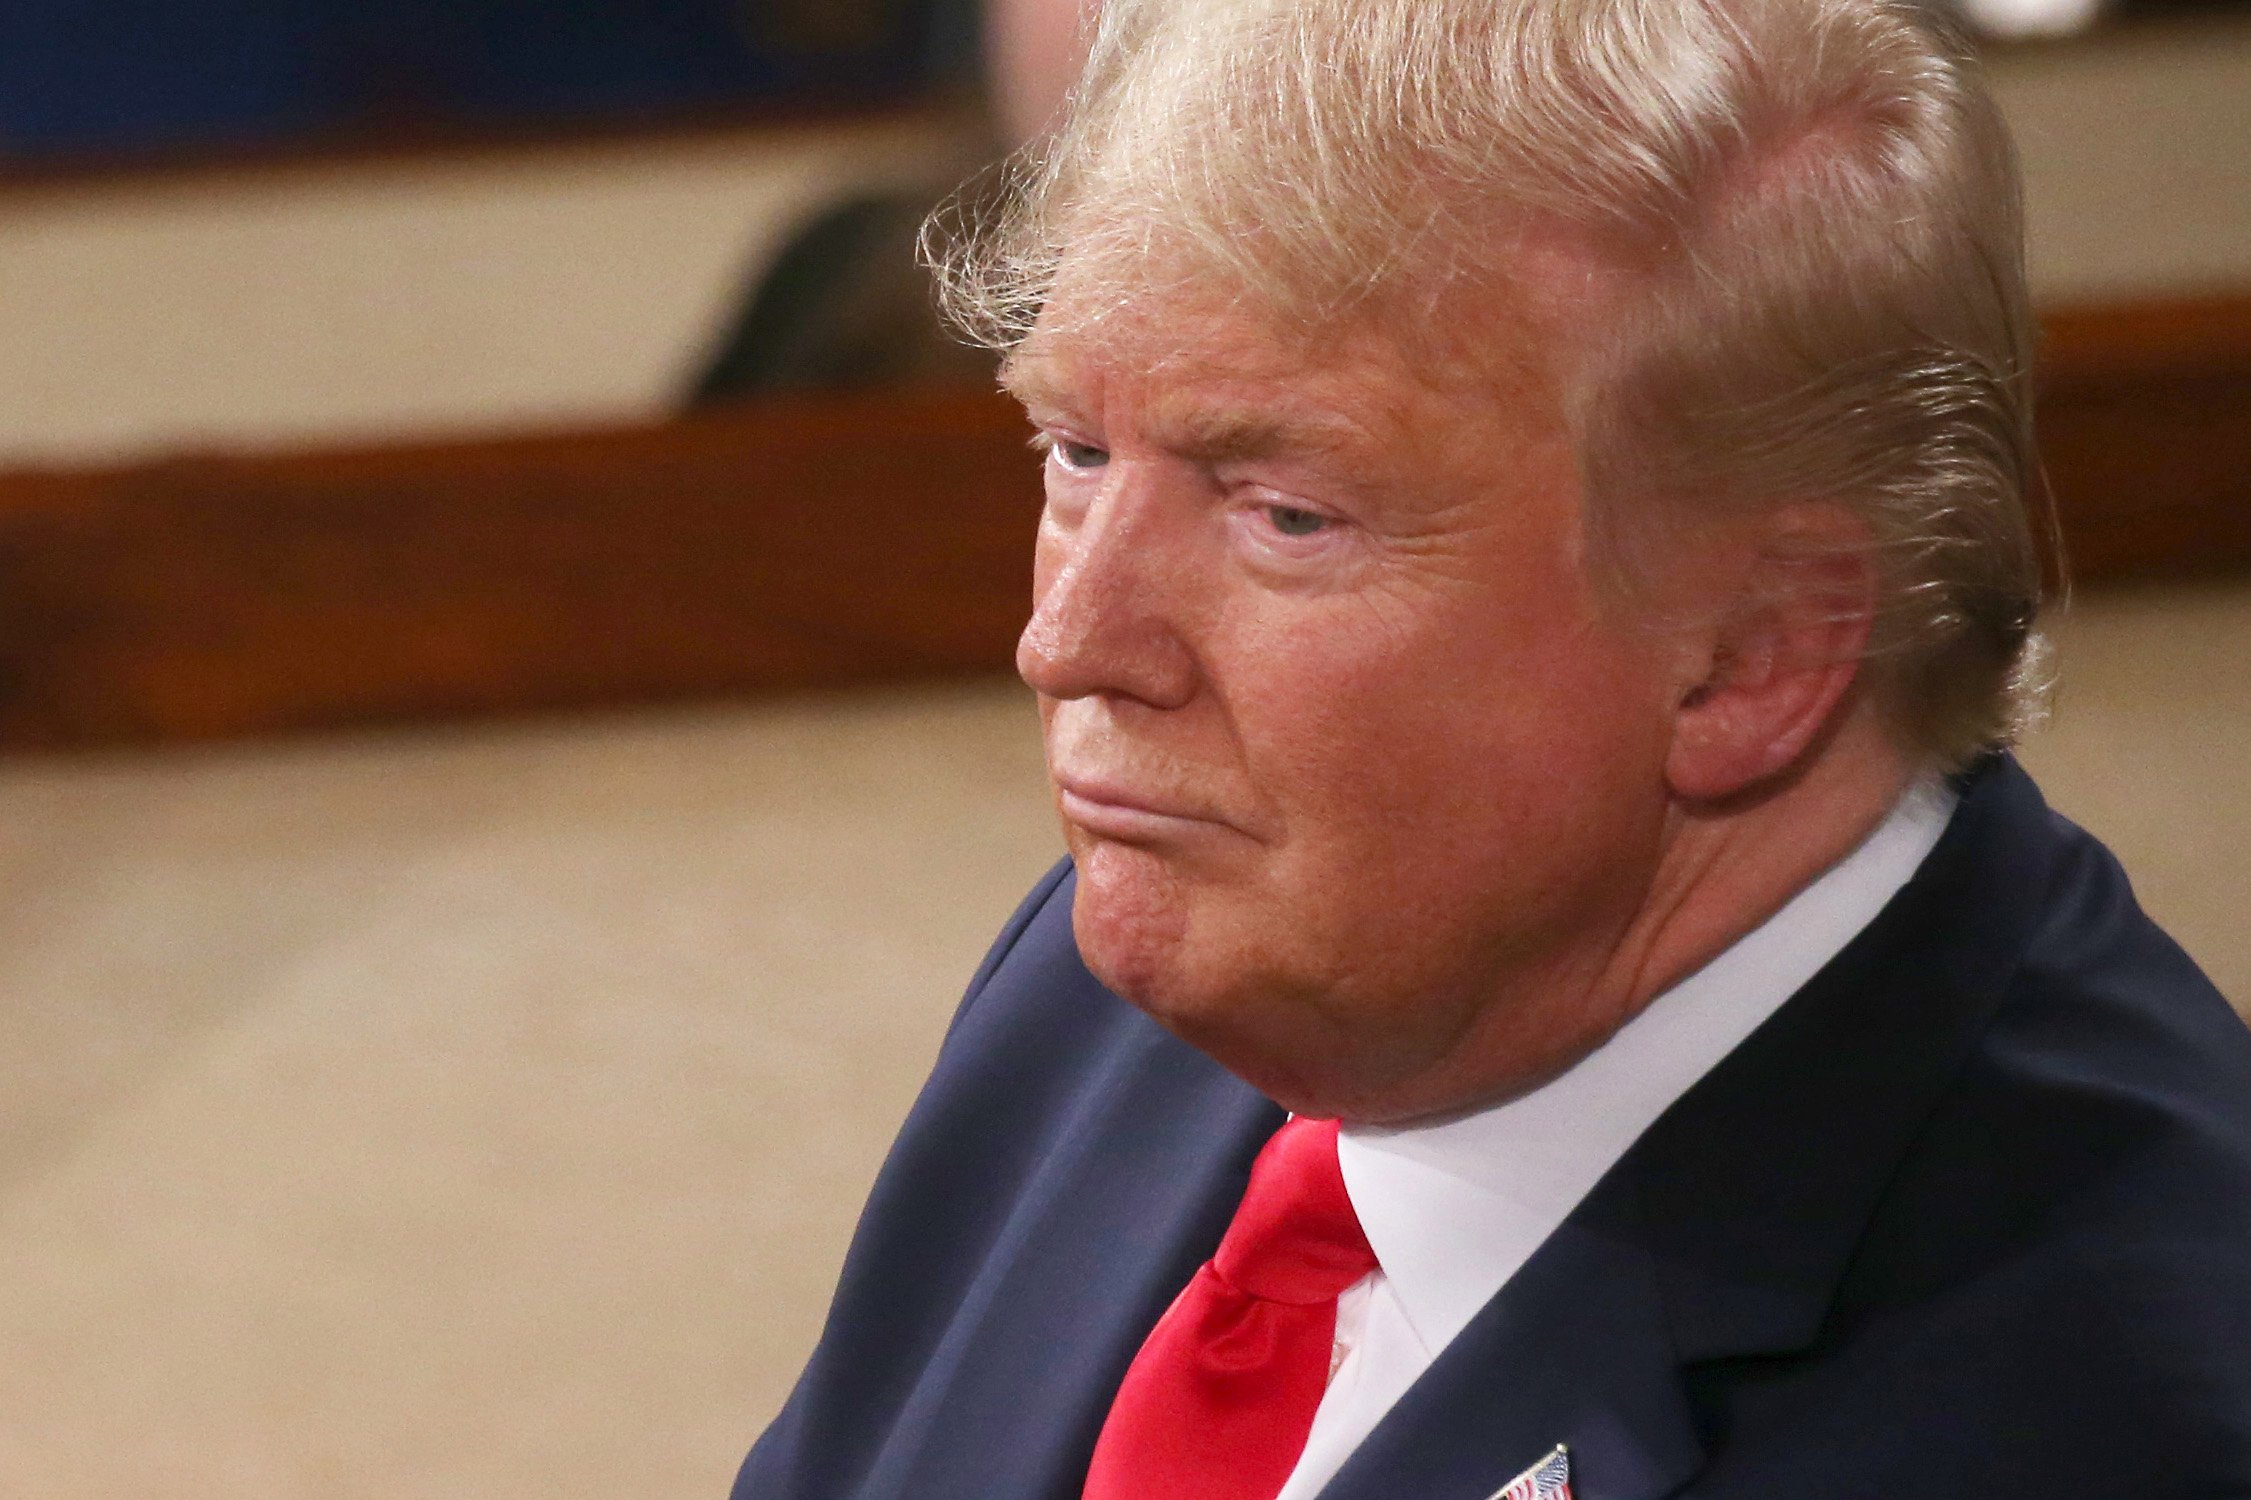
{"x": 1291, "y": 521}
{"x": 1079, "y": 457}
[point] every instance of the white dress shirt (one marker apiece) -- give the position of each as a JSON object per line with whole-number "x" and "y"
{"x": 1453, "y": 1209}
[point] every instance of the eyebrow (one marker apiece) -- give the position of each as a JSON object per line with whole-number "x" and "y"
{"x": 1221, "y": 436}
{"x": 1028, "y": 382}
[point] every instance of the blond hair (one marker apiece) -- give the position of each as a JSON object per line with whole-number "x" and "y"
{"x": 1812, "y": 205}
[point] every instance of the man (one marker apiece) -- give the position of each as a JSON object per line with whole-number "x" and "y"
{"x": 1534, "y": 586}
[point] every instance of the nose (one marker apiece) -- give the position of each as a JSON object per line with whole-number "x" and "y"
{"x": 1109, "y": 595}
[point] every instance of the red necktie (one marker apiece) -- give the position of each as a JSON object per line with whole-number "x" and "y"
{"x": 1219, "y": 1402}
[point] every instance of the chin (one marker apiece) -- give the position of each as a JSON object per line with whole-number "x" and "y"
{"x": 1152, "y": 938}
{"x": 1141, "y": 951}
{"x": 1150, "y": 941}
{"x": 1129, "y": 915}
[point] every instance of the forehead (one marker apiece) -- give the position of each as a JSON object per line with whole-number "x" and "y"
{"x": 1224, "y": 378}
{"x": 1498, "y": 302}
{"x": 1210, "y": 382}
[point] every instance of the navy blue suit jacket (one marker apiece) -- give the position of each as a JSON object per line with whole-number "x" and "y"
{"x": 1970, "y": 1216}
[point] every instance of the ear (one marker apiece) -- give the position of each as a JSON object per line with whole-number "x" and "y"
{"x": 1780, "y": 654}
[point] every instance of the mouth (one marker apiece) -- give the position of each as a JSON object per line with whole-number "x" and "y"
{"x": 1112, "y": 811}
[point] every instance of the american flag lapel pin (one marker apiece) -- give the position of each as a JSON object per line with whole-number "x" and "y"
{"x": 1549, "y": 1479}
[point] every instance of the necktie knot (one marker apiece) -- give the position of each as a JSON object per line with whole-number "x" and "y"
{"x": 1295, "y": 1239}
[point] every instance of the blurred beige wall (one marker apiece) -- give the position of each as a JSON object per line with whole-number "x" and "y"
{"x": 2134, "y": 156}
{"x": 292, "y": 305}
{"x": 557, "y": 286}
{"x": 471, "y": 1115}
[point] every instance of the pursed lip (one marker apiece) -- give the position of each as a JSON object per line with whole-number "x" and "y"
{"x": 1112, "y": 810}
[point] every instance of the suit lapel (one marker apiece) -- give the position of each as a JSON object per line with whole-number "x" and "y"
{"x": 1131, "y": 1198}
{"x": 1572, "y": 1351}
{"x": 1727, "y": 1228}
{"x": 1759, "y": 1183}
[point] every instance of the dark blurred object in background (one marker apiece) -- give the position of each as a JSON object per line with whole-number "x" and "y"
{"x": 106, "y": 78}
{"x": 845, "y": 307}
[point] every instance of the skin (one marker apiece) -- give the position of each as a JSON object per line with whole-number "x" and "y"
{"x": 1033, "y": 50}
{"x": 1374, "y": 796}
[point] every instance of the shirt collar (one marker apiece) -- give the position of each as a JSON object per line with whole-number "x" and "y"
{"x": 1454, "y": 1208}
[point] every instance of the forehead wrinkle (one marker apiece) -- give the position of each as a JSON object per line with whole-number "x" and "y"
{"x": 1211, "y": 416}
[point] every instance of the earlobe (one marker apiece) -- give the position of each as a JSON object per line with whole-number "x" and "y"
{"x": 1782, "y": 660}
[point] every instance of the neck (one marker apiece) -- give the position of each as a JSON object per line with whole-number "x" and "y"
{"x": 1722, "y": 870}
{"x": 1727, "y": 869}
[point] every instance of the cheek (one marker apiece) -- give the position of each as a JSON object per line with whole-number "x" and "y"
{"x": 1463, "y": 751}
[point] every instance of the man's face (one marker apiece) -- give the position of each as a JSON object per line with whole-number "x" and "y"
{"x": 1363, "y": 782}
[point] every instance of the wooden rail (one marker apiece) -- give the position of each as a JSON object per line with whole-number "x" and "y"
{"x": 781, "y": 547}
{"x": 2145, "y": 422}
{"x": 776, "y": 547}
